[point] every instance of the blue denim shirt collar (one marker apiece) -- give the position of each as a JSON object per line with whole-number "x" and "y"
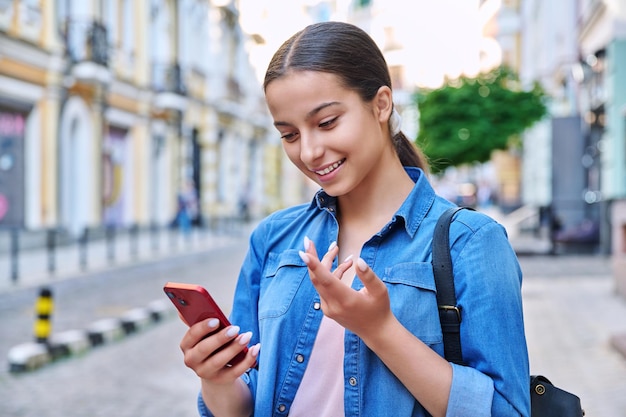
{"x": 412, "y": 211}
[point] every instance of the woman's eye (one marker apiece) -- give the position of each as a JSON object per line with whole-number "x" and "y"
{"x": 328, "y": 123}
{"x": 288, "y": 137}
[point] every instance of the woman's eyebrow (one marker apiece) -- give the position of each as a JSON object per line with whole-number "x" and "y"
{"x": 309, "y": 114}
{"x": 320, "y": 108}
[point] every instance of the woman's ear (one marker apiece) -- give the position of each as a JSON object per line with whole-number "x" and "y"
{"x": 383, "y": 102}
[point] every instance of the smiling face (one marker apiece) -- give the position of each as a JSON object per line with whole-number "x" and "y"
{"x": 329, "y": 132}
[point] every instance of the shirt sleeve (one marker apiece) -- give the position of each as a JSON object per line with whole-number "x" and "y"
{"x": 488, "y": 287}
{"x": 203, "y": 411}
{"x": 469, "y": 402}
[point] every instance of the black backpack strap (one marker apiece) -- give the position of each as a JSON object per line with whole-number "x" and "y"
{"x": 449, "y": 311}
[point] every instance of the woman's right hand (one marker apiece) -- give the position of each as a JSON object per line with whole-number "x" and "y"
{"x": 223, "y": 391}
{"x": 200, "y": 344}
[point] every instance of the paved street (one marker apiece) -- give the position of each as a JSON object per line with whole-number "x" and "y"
{"x": 571, "y": 312}
{"x": 570, "y": 307}
{"x": 140, "y": 375}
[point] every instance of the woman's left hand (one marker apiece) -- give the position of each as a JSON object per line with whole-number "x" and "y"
{"x": 360, "y": 311}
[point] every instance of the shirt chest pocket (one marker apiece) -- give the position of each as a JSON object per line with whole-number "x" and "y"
{"x": 282, "y": 277}
{"x": 413, "y": 297}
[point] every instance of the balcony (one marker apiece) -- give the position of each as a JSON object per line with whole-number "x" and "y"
{"x": 88, "y": 50}
{"x": 167, "y": 82}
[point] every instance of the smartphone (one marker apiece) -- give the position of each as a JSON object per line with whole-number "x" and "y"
{"x": 196, "y": 304}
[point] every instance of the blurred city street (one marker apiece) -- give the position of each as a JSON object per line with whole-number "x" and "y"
{"x": 571, "y": 314}
{"x": 136, "y": 145}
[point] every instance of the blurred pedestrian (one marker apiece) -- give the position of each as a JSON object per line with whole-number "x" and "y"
{"x": 357, "y": 332}
{"x": 244, "y": 205}
{"x": 187, "y": 207}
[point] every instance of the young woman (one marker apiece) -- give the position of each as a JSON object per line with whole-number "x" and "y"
{"x": 336, "y": 298}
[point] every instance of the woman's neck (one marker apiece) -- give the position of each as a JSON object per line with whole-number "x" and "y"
{"x": 371, "y": 205}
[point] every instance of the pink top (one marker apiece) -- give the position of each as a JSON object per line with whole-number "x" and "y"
{"x": 321, "y": 388}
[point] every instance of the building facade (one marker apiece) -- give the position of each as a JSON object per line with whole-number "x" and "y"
{"x": 575, "y": 160}
{"x": 109, "y": 109}
{"x": 601, "y": 76}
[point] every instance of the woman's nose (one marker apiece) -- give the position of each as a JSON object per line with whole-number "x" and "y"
{"x": 311, "y": 148}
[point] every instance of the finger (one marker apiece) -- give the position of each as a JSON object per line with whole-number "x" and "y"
{"x": 201, "y": 343}
{"x": 309, "y": 247}
{"x": 330, "y": 255}
{"x": 198, "y": 331}
{"x": 343, "y": 267}
{"x": 249, "y": 361}
{"x": 318, "y": 273}
{"x": 311, "y": 251}
{"x": 215, "y": 369}
{"x": 372, "y": 283}
{"x": 233, "y": 351}
{"x": 220, "y": 347}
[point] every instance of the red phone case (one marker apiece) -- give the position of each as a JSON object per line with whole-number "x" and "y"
{"x": 196, "y": 304}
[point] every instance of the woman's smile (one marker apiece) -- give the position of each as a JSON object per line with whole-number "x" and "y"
{"x": 330, "y": 168}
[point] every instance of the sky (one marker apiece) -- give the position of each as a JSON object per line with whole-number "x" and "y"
{"x": 439, "y": 38}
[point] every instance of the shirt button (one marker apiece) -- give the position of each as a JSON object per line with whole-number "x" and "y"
{"x": 282, "y": 408}
{"x": 331, "y": 209}
{"x": 299, "y": 358}
{"x": 317, "y": 305}
{"x": 352, "y": 381}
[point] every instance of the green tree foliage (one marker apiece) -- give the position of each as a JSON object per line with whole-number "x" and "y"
{"x": 466, "y": 119}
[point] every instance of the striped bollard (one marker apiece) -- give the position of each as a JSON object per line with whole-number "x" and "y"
{"x": 43, "y": 309}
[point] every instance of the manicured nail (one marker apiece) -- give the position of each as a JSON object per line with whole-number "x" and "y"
{"x": 307, "y": 243}
{"x": 304, "y": 257}
{"x": 232, "y": 331}
{"x": 360, "y": 263}
{"x": 244, "y": 339}
{"x": 347, "y": 259}
{"x": 213, "y": 323}
{"x": 254, "y": 350}
{"x": 332, "y": 246}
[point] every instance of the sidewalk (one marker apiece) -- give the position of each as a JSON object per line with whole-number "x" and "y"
{"x": 573, "y": 318}
{"x": 132, "y": 252}
{"x": 37, "y": 266}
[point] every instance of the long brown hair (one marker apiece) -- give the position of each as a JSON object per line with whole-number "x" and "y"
{"x": 350, "y": 53}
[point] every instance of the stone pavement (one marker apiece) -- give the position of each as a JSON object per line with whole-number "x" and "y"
{"x": 573, "y": 315}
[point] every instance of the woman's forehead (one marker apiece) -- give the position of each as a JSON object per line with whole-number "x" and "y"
{"x": 317, "y": 78}
{"x": 304, "y": 90}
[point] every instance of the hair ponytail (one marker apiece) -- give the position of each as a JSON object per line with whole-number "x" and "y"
{"x": 409, "y": 154}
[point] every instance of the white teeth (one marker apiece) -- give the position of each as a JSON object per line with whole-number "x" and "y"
{"x": 329, "y": 169}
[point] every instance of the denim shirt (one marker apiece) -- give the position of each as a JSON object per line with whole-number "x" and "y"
{"x": 275, "y": 299}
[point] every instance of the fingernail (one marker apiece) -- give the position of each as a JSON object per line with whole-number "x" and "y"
{"x": 304, "y": 257}
{"x": 232, "y": 331}
{"x": 347, "y": 259}
{"x": 244, "y": 339}
{"x": 307, "y": 243}
{"x": 254, "y": 350}
{"x": 213, "y": 323}
{"x": 332, "y": 246}
{"x": 360, "y": 263}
